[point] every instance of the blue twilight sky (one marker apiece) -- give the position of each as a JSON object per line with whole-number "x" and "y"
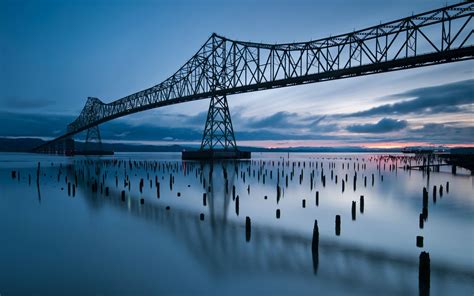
{"x": 54, "y": 54}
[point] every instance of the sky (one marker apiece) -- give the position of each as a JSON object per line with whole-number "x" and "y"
{"x": 55, "y": 54}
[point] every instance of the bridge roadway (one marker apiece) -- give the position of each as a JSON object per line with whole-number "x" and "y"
{"x": 215, "y": 243}
{"x": 224, "y": 66}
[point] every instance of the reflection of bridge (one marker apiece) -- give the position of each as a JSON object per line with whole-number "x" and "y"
{"x": 224, "y": 67}
{"x": 219, "y": 244}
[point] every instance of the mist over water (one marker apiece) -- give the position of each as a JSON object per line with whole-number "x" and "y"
{"x": 149, "y": 223}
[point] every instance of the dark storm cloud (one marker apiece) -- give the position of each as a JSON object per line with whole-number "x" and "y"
{"x": 265, "y": 134}
{"x": 52, "y": 125}
{"x": 122, "y": 130}
{"x": 279, "y": 119}
{"x": 434, "y": 133}
{"x": 38, "y": 125}
{"x": 384, "y": 125}
{"x": 446, "y": 98}
{"x": 198, "y": 119}
{"x": 442, "y": 134}
{"x": 286, "y": 120}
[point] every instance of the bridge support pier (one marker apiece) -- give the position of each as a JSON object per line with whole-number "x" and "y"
{"x": 218, "y": 140}
{"x": 69, "y": 144}
{"x": 93, "y": 144}
{"x": 93, "y": 139}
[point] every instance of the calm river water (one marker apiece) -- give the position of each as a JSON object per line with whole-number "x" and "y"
{"x": 149, "y": 223}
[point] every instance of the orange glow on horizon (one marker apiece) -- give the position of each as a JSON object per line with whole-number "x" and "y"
{"x": 380, "y": 145}
{"x": 390, "y": 145}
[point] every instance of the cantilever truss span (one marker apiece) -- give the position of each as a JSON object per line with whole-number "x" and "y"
{"x": 222, "y": 66}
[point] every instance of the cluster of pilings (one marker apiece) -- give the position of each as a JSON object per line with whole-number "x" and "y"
{"x": 114, "y": 178}
{"x": 277, "y": 172}
{"x": 423, "y": 217}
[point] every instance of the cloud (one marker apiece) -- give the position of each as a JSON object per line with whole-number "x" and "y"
{"x": 385, "y": 125}
{"x": 276, "y": 120}
{"x": 439, "y": 133}
{"x": 38, "y": 125}
{"x": 446, "y": 98}
{"x": 52, "y": 125}
{"x": 195, "y": 120}
{"x": 281, "y": 126}
{"x": 283, "y": 120}
{"x": 190, "y": 127}
{"x": 19, "y": 104}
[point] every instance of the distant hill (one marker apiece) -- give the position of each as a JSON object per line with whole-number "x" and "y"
{"x": 27, "y": 144}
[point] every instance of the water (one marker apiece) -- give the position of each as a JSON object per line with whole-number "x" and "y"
{"x": 55, "y": 243}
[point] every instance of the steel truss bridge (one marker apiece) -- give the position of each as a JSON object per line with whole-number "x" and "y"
{"x": 223, "y": 67}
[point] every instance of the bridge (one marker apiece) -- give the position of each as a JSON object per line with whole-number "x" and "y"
{"x": 223, "y": 67}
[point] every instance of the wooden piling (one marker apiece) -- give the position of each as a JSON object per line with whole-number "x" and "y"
{"x": 315, "y": 247}
{"x": 419, "y": 241}
{"x": 424, "y": 274}
{"x": 248, "y": 228}
{"x": 338, "y": 225}
{"x": 38, "y": 173}
{"x": 353, "y": 210}
{"x": 425, "y": 197}
{"x": 315, "y": 241}
{"x": 237, "y": 205}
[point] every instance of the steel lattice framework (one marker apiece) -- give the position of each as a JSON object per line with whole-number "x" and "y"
{"x": 93, "y": 136}
{"x": 218, "y": 132}
{"x": 223, "y": 66}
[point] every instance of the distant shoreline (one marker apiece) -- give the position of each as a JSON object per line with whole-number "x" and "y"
{"x": 27, "y": 144}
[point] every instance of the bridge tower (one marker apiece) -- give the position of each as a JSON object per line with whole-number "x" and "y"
{"x": 218, "y": 140}
{"x": 218, "y": 131}
{"x": 93, "y": 140}
{"x": 70, "y": 148}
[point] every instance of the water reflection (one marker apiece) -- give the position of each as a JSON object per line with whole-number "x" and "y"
{"x": 226, "y": 193}
{"x": 217, "y": 242}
